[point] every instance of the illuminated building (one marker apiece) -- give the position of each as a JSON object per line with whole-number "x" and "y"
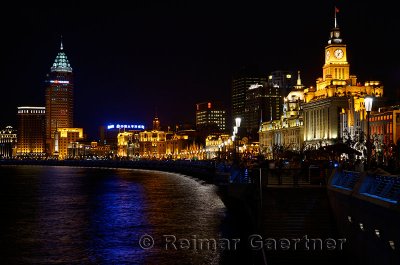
{"x": 240, "y": 84}
{"x": 81, "y": 150}
{"x": 66, "y": 136}
{"x": 182, "y": 145}
{"x": 128, "y": 144}
{"x": 263, "y": 102}
{"x": 208, "y": 114}
{"x": 158, "y": 144}
{"x": 288, "y": 131}
{"x": 59, "y": 98}
{"x": 215, "y": 145}
{"x": 109, "y": 133}
{"x": 8, "y": 141}
{"x": 152, "y": 144}
{"x": 385, "y": 124}
{"x": 336, "y": 92}
{"x": 31, "y": 131}
{"x": 282, "y": 80}
{"x": 385, "y": 132}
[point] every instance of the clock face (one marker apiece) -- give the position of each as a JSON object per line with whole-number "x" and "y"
{"x": 338, "y": 54}
{"x": 327, "y": 55}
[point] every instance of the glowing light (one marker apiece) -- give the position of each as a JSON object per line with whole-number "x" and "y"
{"x": 59, "y": 82}
{"x": 238, "y": 121}
{"x": 391, "y": 243}
{"x": 254, "y": 86}
{"x": 125, "y": 126}
{"x": 368, "y": 103}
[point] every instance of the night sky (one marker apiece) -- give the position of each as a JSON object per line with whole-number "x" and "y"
{"x": 129, "y": 62}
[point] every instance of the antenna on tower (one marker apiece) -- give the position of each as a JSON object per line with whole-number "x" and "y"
{"x": 336, "y": 11}
{"x": 61, "y": 46}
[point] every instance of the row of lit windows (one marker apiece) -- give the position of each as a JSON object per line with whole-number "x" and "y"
{"x": 8, "y": 135}
{"x": 31, "y": 111}
{"x": 381, "y": 118}
{"x": 380, "y": 129}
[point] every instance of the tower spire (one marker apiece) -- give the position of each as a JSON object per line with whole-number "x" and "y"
{"x": 298, "y": 78}
{"x": 336, "y": 11}
{"x": 335, "y": 33}
{"x": 61, "y": 46}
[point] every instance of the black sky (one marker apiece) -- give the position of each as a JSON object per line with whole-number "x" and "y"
{"x": 129, "y": 61}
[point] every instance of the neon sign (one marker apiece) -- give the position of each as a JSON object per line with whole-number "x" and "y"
{"x": 59, "y": 82}
{"x": 125, "y": 126}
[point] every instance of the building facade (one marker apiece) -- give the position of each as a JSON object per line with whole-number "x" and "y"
{"x": 282, "y": 80}
{"x": 288, "y": 131}
{"x": 385, "y": 132}
{"x": 211, "y": 114}
{"x": 263, "y": 102}
{"x": 240, "y": 84}
{"x": 8, "y": 142}
{"x": 336, "y": 92}
{"x": 31, "y": 131}
{"x": 109, "y": 133}
{"x": 59, "y": 98}
{"x": 65, "y": 137}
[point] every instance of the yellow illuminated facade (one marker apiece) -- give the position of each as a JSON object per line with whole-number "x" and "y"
{"x": 336, "y": 93}
{"x": 31, "y": 131}
{"x": 215, "y": 144}
{"x": 66, "y": 136}
{"x": 128, "y": 144}
{"x": 289, "y": 130}
{"x": 321, "y": 114}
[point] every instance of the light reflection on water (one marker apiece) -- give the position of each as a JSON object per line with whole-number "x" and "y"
{"x": 63, "y": 215}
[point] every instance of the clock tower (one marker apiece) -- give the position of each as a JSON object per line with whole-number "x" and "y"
{"x": 336, "y": 66}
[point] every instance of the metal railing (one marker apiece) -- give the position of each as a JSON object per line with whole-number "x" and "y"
{"x": 385, "y": 188}
{"x": 346, "y": 179}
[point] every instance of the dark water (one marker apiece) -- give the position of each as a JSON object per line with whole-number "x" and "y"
{"x": 63, "y": 215}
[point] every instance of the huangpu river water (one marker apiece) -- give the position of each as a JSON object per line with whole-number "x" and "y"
{"x": 67, "y": 215}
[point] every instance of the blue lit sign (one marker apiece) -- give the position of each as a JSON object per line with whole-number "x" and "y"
{"x": 125, "y": 126}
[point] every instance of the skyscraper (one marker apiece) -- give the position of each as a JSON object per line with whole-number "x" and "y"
{"x": 263, "y": 102}
{"x": 283, "y": 80}
{"x": 30, "y": 133}
{"x": 211, "y": 114}
{"x": 240, "y": 84}
{"x": 59, "y": 98}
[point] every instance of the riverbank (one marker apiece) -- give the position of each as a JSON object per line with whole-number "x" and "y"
{"x": 203, "y": 170}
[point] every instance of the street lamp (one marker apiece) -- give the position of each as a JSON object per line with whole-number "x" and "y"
{"x": 238, "y": 120}
{"x": 368, "y": 106}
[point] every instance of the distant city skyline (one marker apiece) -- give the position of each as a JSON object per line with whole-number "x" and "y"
{"x": 128, "y": 64}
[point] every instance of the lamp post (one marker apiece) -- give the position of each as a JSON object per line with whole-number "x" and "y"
{"x": 238, "y": 120}
{"x": 368, "y": 106}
